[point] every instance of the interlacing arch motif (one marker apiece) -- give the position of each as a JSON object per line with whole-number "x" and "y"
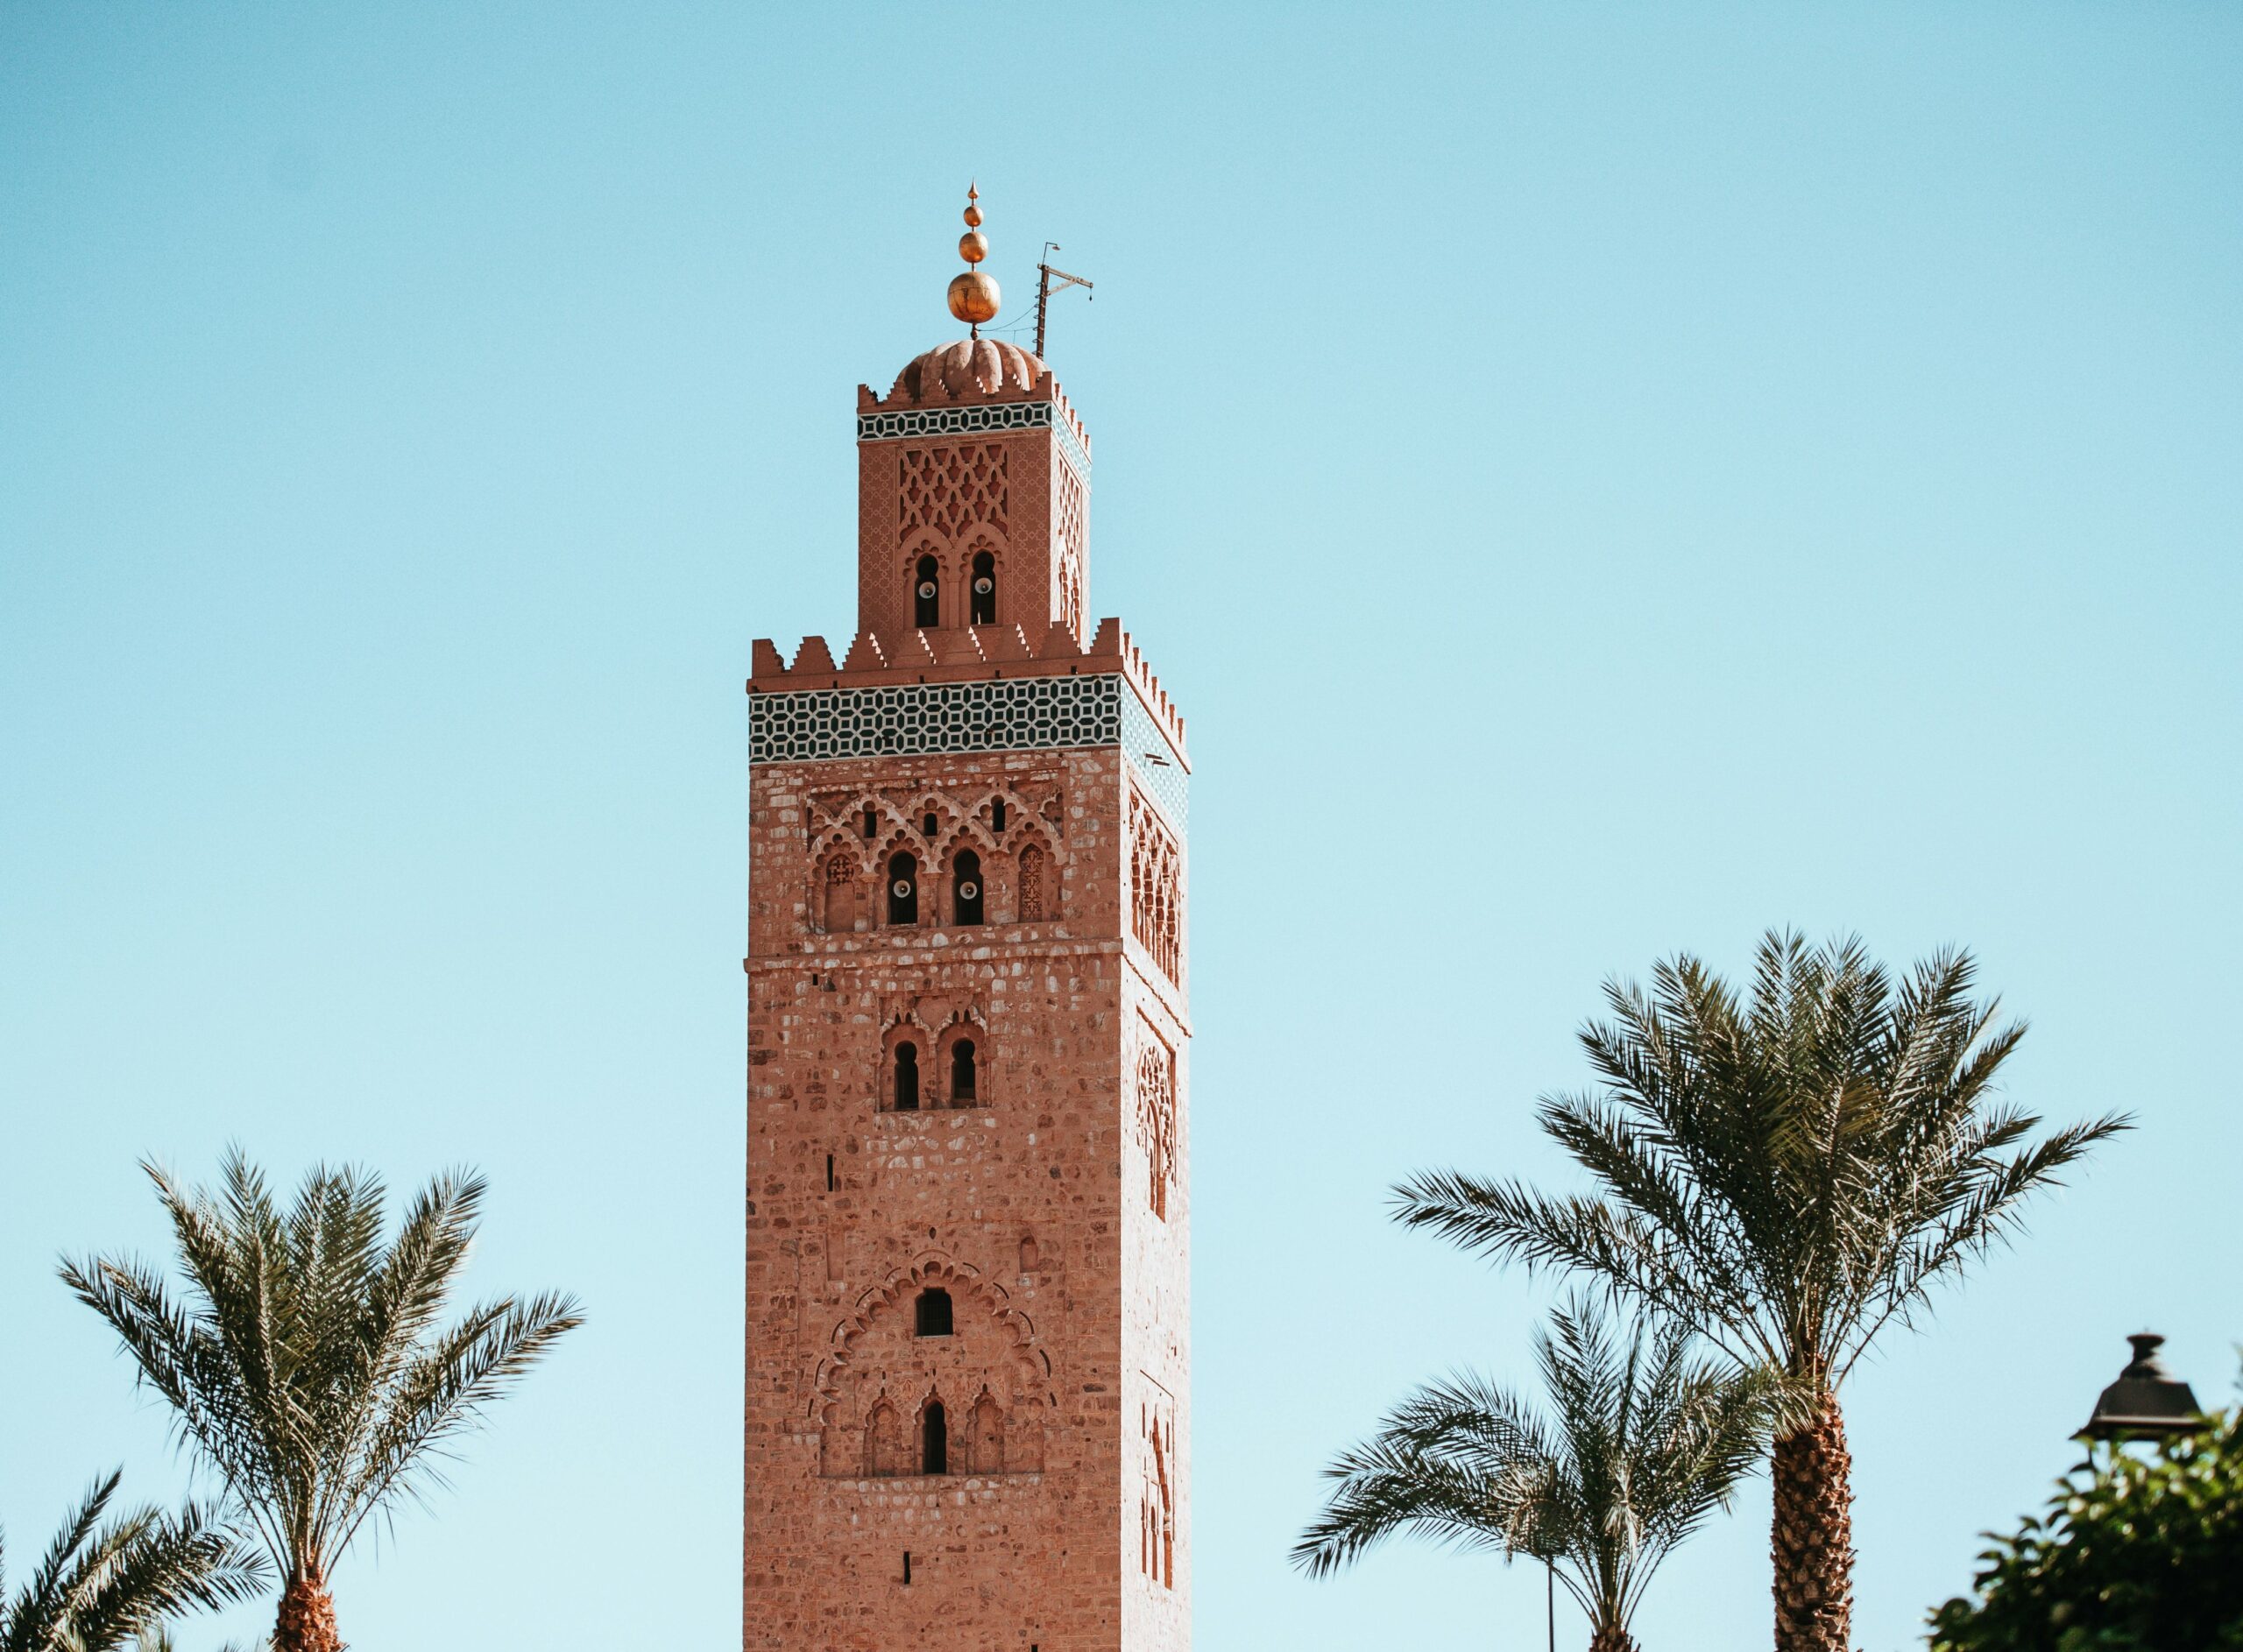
{"x": 875, "y": 1389}
{"x": 1072, "y": 537}
{"x": 1156, "y": 1500}
{"x": 1156, "y": 888}
{"x": 950, "y": 488}
{"x": 839, "y": 844}
{"x": 1156, "y": 1117}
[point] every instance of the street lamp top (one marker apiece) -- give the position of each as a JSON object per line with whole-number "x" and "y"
{"x": 2147, "y": 1402}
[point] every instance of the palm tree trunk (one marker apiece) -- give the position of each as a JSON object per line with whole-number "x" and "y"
{"x": 1612, "y": 1641}
{"x": 1814, "y": 1535}
{"x": 306, "y": 1622}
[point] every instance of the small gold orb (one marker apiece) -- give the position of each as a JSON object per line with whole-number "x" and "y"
{"x": 974, "y": 297}
{"x": 973, "y": 217}
{"x": 974, "y": 246}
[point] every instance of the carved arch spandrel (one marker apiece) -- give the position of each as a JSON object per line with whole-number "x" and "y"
{"x": 873, "y": 1360}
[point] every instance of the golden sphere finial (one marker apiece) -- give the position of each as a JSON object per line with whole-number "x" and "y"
{"x": 973, "y": 295}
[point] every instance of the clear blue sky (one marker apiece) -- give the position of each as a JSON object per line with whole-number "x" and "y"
{"x": 1600, "y": 480}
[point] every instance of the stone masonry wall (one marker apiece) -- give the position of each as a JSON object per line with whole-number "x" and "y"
{"x": 1032, "y": 1208}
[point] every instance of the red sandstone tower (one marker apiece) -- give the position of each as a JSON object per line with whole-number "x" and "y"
{"x": 968, "y": 1266}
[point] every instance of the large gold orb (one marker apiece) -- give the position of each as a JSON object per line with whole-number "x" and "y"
{"x": 974, "y": 297}
{"x": 974, "y": 246}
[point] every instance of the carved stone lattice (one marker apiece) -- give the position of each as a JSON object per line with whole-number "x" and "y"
{"x": 1156, "y": 1498}
{"x": 951, "y": 488}
{"x": 1156, "y": 1117}
{"x": 1071, "y": 544}
{"x": 1156, "y": 888}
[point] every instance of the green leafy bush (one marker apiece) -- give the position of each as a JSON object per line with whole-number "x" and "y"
{"x": 2133, "y": 1555}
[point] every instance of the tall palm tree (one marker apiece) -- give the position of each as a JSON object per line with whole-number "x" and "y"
{"x": 1786, "y": 1173}
{"x": 305, "y": 1364}
{"x": 100, "y": 1587}
{"x": 1642, "y": 1443}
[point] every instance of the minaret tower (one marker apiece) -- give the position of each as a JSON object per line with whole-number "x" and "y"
{"x": 967, "y": 1370}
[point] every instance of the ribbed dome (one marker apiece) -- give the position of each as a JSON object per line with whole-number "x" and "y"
{"x": 965, "y": 367}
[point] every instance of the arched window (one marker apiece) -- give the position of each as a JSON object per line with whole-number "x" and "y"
{"x": 961, "y": 1070}
{"x": 883, "y": 1441}
{"x": 997, "y": 814}
{"x": 907, "y": 1078}
{"x": 985, "y": 1437}
{"x": 926, "y": 595}
{"x": 934, "y": 1447}
{"x": 932, "y": 1313}
{"x": 1031, "y": 885}
{"x": 985, "y": 588}
{"x": 966, "y": 887}
{"x": 903, "y": 889}
{"x": 840, "y": 893}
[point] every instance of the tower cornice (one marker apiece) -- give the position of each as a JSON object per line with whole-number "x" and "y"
{"x": 969, "y": 654}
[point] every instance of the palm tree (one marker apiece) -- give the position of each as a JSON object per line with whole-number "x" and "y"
{"x": 305, "y": 1364}
{"x": 100, "y": 1587}
{"x": 1788, "y": 1175}
{"x": 1643, "y": 1443}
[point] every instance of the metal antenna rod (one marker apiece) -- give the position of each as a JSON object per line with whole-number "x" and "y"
{"x": 1044, "y": 275}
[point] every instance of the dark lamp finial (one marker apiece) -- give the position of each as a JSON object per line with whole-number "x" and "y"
{"x": 2147, "y": 1402}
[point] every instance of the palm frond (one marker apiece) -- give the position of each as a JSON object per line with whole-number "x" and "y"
{"x": 304, "y": 1359}
{"x": 104, "y": 1583}
{"x": 1787, "y": 1170}
{"x": 442, "y": 1392}
{"x": 1637, "y": 1443}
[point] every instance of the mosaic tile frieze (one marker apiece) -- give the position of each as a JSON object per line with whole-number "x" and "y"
{"x": 1155, "y": 764}
{"x": 1027, "y": 714}
{"x": 966, "y": 421}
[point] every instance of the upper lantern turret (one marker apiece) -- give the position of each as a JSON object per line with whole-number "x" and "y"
{"x": 974, "y": 496}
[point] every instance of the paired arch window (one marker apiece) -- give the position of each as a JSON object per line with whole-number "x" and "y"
{"x": 966, "y": 887}
{"x": 926, "y": 594}
{"x": 903, "y": 889}
{"x": 983, "y": 589}
{"x": 916, "y": 1079}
